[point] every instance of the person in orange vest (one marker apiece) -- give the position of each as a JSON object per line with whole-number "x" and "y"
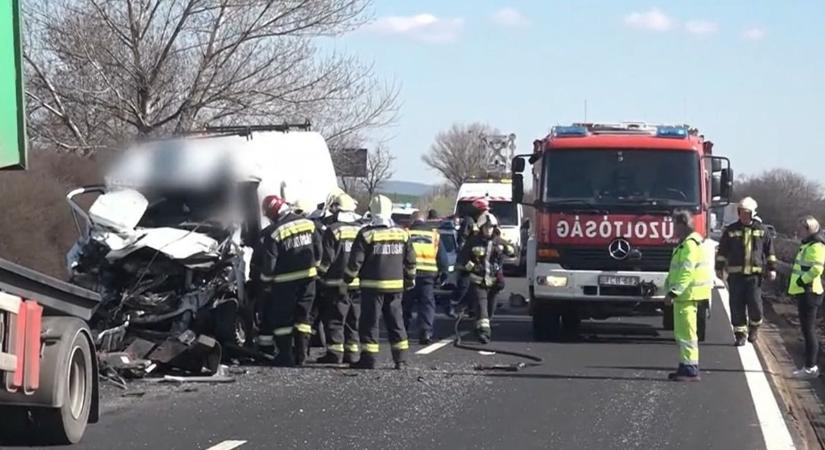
{"x": 421, "y": 299}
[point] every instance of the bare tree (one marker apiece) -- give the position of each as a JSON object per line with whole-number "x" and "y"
{"x": 102, "y": 70}
{"x": 783, "y": 196}
{"x": 458, "y": 153}
{"x": 379, "y": 170}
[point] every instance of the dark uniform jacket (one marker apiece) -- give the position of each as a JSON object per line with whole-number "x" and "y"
{"x": 383, "y": 259}
{"x": 745, "y": 249}
{"x": 337, "y": 242}
{"x": 480, "y": 257}
{"x": 291, "y": 250}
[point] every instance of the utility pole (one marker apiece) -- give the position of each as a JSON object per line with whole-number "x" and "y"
{"x": 585, "y": 110}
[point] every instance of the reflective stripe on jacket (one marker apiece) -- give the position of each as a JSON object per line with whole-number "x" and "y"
{"x": 425, "y": 244}
{"x": 337, "y": 243}
{"x": 745, "y": 249}
{"x": 382, "y": 258}
{"x": 690, "y": 276}
{"x": 478, "y": 256}
{"x": 291, "y": 250}
{"x": 808, "y": 267}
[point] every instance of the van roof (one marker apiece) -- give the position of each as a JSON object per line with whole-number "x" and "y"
{"x": 492, "y": 191}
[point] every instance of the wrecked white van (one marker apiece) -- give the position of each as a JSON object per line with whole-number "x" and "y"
{"x": 168, "y": 239}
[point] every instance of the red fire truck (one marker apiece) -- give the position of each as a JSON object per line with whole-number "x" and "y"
{"x": 603, "y": 237}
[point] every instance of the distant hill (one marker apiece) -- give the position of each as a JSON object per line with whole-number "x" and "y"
{"x": 406, "y": 188}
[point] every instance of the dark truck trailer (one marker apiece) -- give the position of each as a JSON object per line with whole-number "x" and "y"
{"x": 48, "y": 368}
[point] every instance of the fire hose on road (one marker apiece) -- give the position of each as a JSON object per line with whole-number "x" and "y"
{"x": 535, "y": 361}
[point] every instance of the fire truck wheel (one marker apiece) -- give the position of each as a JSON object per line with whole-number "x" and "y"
{"x": 702, "y": 320}
{"x": 667, "y": 318}
{"x": 546, "y": 323}
{"x": 570, "y": 322}
{"x": 66, "y": 424}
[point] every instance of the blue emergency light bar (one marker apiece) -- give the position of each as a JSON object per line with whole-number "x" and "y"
{"x": 570, "y": 131}
{"x": 672, "y": 132}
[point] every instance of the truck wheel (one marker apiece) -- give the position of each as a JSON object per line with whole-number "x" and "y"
{"x": 15, "y": 425}
{"x": 570, "y": 322}
{"x": 546, "y": 324}
{"x": 667, "y": 318}
{"x": 66, "y": 424}
{"x": 701, "y": 320}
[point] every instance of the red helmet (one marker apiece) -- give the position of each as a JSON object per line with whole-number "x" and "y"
{"x": 272, "y": 206}
{"x": 481, "y": 204}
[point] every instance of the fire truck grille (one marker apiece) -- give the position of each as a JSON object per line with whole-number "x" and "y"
{"x": 653, "y": 259}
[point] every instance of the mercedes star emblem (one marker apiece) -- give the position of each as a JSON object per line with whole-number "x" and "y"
{"x": 619, "y": 249}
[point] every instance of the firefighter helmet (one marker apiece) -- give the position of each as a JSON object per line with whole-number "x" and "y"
{"x": 381, "y": 206}
{"x": 748, "y": 204}
{"x": 481, "y": 204}
{"x": 345, "y": 203}
{"x": 333, "y": 195}
{"x": 303, "y": 206}
{"x": 273, "y": 206}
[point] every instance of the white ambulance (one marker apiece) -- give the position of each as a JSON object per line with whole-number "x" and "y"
{"x": 498, "y": 193}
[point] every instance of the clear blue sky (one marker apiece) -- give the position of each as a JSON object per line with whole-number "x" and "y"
{"x": 750, "y": 74}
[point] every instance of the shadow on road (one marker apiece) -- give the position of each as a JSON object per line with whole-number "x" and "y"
{"x": 708, "y": 369}
{"x": 550, "y": 376}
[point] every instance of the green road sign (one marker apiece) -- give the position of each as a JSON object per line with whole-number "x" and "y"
{"x": 12, "y": 113}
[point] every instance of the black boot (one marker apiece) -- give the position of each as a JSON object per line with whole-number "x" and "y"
{"x": 350, "y": 358}
{"x": 301, "y": 348}
{"x": 367, "y": 362}
{"x": 285, "y": 357}
{"x": 685, "y": 373}
{"x": 400, "y": 359}
{"x": 330, "y": 358}
{"x": 425, "y": 339}
{"x": 753, "y": 334}
{"x": 483, "y": 335}
{"x": 740, "y": 339}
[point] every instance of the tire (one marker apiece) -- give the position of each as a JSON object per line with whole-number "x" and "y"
{"x": 701, "y": 320}
{"x": 546, "y": 324}
{"x": 570, "y": 322}
{"x": 15, "y": 425}
{"x": 66, "y": 424}
{"x": 667, "y": 318}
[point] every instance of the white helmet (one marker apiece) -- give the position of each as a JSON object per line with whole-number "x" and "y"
{"x": 487, "y": 219}
{"x": 748, "y": 204}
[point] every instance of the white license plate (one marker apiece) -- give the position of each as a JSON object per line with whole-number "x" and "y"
{"x": 618, "y": 280}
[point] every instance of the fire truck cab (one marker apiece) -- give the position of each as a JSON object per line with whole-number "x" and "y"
{"x": 603, "y": 237}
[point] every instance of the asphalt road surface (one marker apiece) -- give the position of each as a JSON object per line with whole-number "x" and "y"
{"x": 601, "y": 391}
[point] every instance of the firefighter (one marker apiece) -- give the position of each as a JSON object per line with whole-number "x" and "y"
{"x": 689, "y": 281}
{"x": 291, "y": 251}
{"x": 806, "y": 288}
{"x": 468, "y": 228}
{"x": 477, "y": 261}
{"x": 340, "y": 302}
{"x": 745, "y": 252}
{"x": 421, "y": 299}
{"x": 383, "y": 258}
{"x": 323, "y": 215}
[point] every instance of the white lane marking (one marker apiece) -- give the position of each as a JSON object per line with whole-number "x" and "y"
{"x": 774, "y": 429}
{"x": 438, "y": 345}
{"x": 227, "y": 445}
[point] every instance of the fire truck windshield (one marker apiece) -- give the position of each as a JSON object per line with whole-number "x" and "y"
{"x": 505, "y": 212}
{"x": 610, "y": 177}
